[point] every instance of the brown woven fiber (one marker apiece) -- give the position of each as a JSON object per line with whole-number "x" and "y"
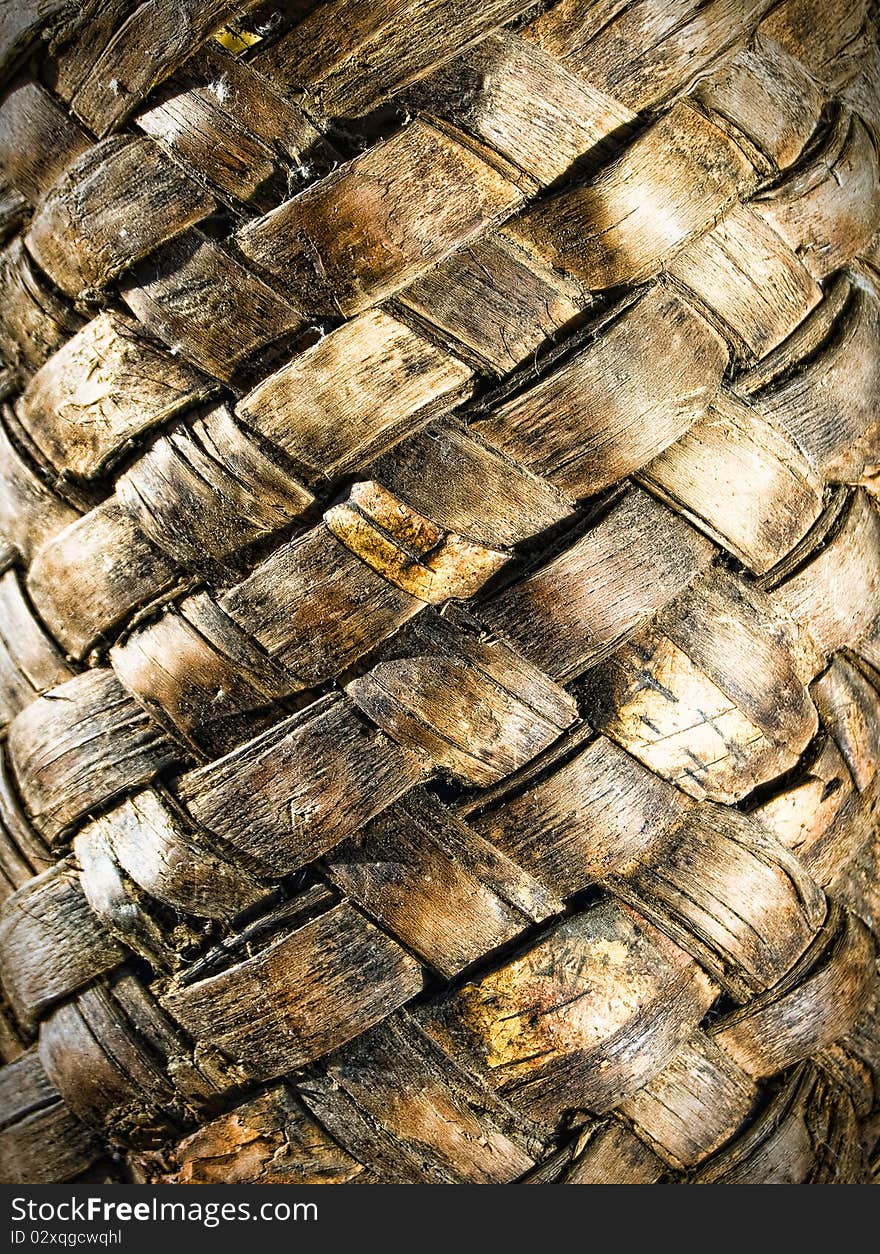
{"x": 440, "y": 609}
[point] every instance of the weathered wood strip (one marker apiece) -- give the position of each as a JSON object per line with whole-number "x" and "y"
{"x": 106, "y": 385}
{"x": 201, "y": 492}
{"x": 769, "y": 95}
{"x": 594, "y": 813}
{"x": 207, "y": 489}
{"x": 452, "y": 476}
{"x": 830, "y": 209}
{"x": 357, "y": 391}
{"x": 711, "y": 698}
{"x": 810, "y": 339}
{"x": 226, "y": 123}
{"x": 643, "y": 52}
{"x": 806, "y": 1134}
{"x": 730, "y": 895}
{"x": 30, "y": 512}
{"x": 613, "y": 1153}
{"x": 22, "y": 25}
{"x": 43, "y": 1142}
{"x": 849, "y": 706}
{"x": 304, "y": 994}
{"x": 742, "y": 479}
{"x": 574, "y": 1011}
{"x": 24, "y": 851}
{"x": 196, "y": 298}
{"x": 493, "y": 302}
{"x": 167, "y": 859}
{"x": 387, "y": 45}
{"x": 29, "y": 661}
{"x": 294, "y": 792}
{"x": 470, "y": 704}
{"x": 126, "y": 913}
{"x": 750, "y": 278}
{"x": 106, "y": 79}
{"x": 38, "y": 139}
{"x": 827, "y": 404}
{"x": 816, "y": 1005}
{"x": 778, "y": 649}
{"x": 836, "y": 595}
{"x": 121, "y": 199}
{"x": 13, "y": 209}
{"x": 619, "y": 402}
{"x": 816, "y": 31}
{"x": 383, "y": 1154}
{"x": 24, "y": 1087}
{"x": 105, "y": 552}
{"x": 817, "y": 815}
{"x": 440, "y": 1128}
{"x": 694, "y": 1105}
{"x": 670, "y": 185}
{"x": 82, "y": 744}
{"x": 199, "y": 674}
{"x": 528, "y": 107}
{"x": 447, "y": 894}
{"x": 372, "y": 226}
{"x": 316, "y": 608}
{"x": 34, "y": 321}
{"x": 268, "y": 1139}
{"x": 109, "y": 1070}
{"x": 571, "y": 613}
{"x": 408, "y": 549}
{"x": 51, "y": 942}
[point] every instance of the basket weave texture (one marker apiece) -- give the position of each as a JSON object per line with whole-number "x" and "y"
{"x": 440, "y": 609}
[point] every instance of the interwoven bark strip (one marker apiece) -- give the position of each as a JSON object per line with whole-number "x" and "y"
{"x": 440, "y": 591}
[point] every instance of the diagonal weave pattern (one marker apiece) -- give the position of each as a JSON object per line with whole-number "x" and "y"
{"x": 440, "y": 641}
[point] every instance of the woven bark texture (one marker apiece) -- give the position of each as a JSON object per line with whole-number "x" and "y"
{"x": 440, "y": 595}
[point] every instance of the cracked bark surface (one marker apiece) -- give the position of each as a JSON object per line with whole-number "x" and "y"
{"x": 440, "y": 592}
